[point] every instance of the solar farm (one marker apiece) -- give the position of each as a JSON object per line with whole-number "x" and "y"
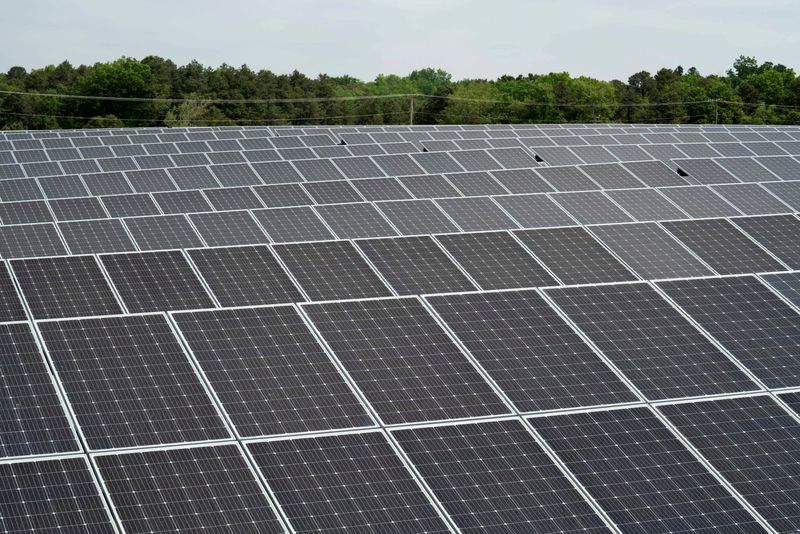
{"x": 394, "y": 329}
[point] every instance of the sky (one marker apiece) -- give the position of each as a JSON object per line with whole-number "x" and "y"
{"x": 469, "y": 38}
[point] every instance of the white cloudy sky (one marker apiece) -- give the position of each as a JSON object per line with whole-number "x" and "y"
{"x": 469, "y": 38}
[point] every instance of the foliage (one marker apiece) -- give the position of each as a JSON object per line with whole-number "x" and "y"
{"x": 177, "y": 95}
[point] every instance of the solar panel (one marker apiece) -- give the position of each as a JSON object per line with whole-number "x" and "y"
{"x": 436, "y": 162}
{"x": 567, "y": 179}
{"x": 162, "y": 232}
{"x": 130, "y": 205}
{"x": 244, "y": 276}
{"x": 496, "y": 260}
{"x": 175, "y": 202}
{"x": 415, "y": 265}
{"x": 705, "y": 171}
{"x": 129, "y": 382}
{"x": 398, "y": 165}
{"x": 427, "y": 186}
{"x": 556, "y": 155}
{"x": 494, "y": 476}
{"x": 193, "y": 177}
{"x": 723, "y": 247}
{"x": 68, "y": 286}
{"x": 155, "y": 281}
{"x": 285, "y": 225}
{"x": 348, "y": 482}
{"x": 375, "y": 189}
{"x": 187, "y": 489}
{"x": 269, "y": 373}
{"x": 283, "y": 195}
{"x": 641, "y": 474}
{"x": 755, "y": 325}
{"x": 751, "y": 199}
{"x": 646, "y": 204}
{"x": 476, "y": 214}
{"x": 228, "y": 228}
{"x": 746, "y": 169}
{"x": 753, "y": 443}
{"x": 513, "y": 157}
{"x": 95, "y": 236}
{"x": 25, "y": 212}
{"x": 787, "y": 192}
{"x": 611, "y": 176}
{"x": 403, "y": 362}
{"x": 332, "y": 192}
{"x": 352, "y": 221}
{"x": 784, "y": 167}
{"x": 29, "y": 240}
{"x": 530, "y": 352}
{"x": 358, "y": 167}
{"x": 651, "y": 343}
{"x": 787, "y": 284}
{"x": 71, "y": 209}
{"x": 475, "y": 160}
{"x": 591, "y": 207}
{"x": 11, "y": 308}
{"x": 574, "y": 256}
{"x": 318, "y": 170}
{"x": 474, "y": 184}
{"x": 521, "y": 181}
{"x": 330, "y": 270}
{"x": 413, "y": 217}
{"x": 233, "y": 198}
{"x": 699, "y": 201}
{"x": 654, "y": 173}
{"x": 780, "y": 234}
{"x": 277, "y": 172}
{"x": 52, "y": 495}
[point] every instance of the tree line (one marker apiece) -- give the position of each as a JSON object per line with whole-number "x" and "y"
{"x": 159, "y": 93}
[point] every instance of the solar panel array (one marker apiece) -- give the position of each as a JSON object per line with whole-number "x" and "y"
{"x": 502, "y": 328}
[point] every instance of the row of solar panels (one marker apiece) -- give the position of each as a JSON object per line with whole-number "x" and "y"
{"x": 194, "y": 380}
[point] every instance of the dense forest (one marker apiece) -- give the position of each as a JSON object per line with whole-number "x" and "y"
{"x": 154, "y": 92}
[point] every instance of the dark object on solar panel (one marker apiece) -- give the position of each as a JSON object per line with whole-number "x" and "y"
{"x": 351, "y": 221}
{"x": 129, "y": 382}
{"x": 156, "y": 281}
{"x": 163, "y": 232}
{"x": 91, "y": 237}
{"x": 751, "y": 199}
{"x": 244, "y": 276}
{"x": 750, "y": 321}
{"x": 755, "y": 444}
{"x": 664, "y": 483}
{"x": 330, "y": 270}
{"x": 283, "y": 195}
{"x": 191, "y": 489}
{"x": 650, "y": 251}
{"x": 70, "y": 286}
{"x": 58, "y": 495}
{"x": 336, "y": 192}
{"x": 704, "y": 171}
{"x": 345, "y": 483}
{"x": 722, "y": 246}
{"x": 495, "y": 260}
{"x": 405, "y": 364}
{"x": 223, "y": 228}
{"x": 415, "y": 265}
{"x": 497, "y": 456}
{"x": 534, "y": 211}
{"x": 529, "y": 351}
{"x": 567, "y": 178}
{"x": 787, "y": 284}
{"x": 269, "y": 372}
{"x": 34, "y": 421}
{"x": 780, "y": 234}
{"x": 174, "y": 202}
{"x": 285, "y": 225}
{"x": 135, "y": 205}
{"x": 25, "y": 212}
{"x": 654, "y": 173}
{"x": 591, "y": 207}
{"x": 476, "y": 214}
{"x": 574, "y": 256}
{"x": 651, "y": 343}
{"x": 699, "y": 201}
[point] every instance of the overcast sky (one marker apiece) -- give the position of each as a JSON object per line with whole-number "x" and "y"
{"x": 469, "y": 38}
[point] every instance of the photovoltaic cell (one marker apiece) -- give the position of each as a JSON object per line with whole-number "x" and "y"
{"x": 496, "y": 261}
{"x": 650, "y": 342}
{"x": 650, "y": 251}
{"x": 34, "y": 422}
{"x": 574, "y": 256}
{"x": 67, "y": 286}
{"x": 58, "y": 495}
{"x": 402, "y": 360}
{"x": 641, "y": 474}
{"x": 345, "y": 483}
{"x": 723, "y": 246}
{"x": 415, "y": 265}
{"x": 331, "y": 270}
{"x": 189, "y": 489}
{"x": 538, "y": 361}
{"x": 755, "y": 325}
{"x": 244, "y": 276}
{"x": 780, "y": 234}
{"x": 270, "y": 374}
{"x": 129, "y": 382}
{"x": 156, "y": 281}
{"x": 755, "y": 444}
{"x": 494, "y": 476}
